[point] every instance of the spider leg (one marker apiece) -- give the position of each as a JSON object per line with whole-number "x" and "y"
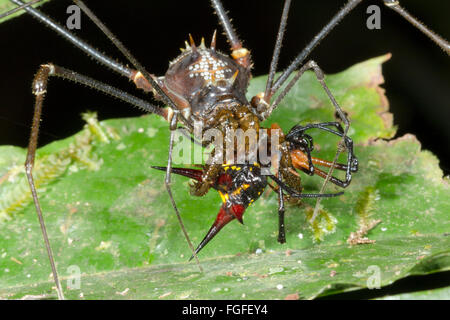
{"x": 291, "y": 192}
{"x": 276, "y": 51}
{"x": 281, "y": 228}
{"x": 140, "y": 77}
{"x": 39, "y": 90}
{"x": 300, "y": 161}
{"x": 296, "y": 137}
{"x": 320, "y": 77}
{"x": 40, "y": 84}
{"x": 10, "y": 12}
{"x": 346, "y": 9}
{"x": 167, "y": 182}
{"x": 300, "y": 58}
{"x": 441, "y": 42}
{"x": 240, "y": 54}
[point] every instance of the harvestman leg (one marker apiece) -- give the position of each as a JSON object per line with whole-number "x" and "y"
{"x": 10, "y": 12}
{"x": 262, "y": 102}
{"x": 281, "y": 228}
{"x": 352, "y": 162}
{"x": 236, "y": 44}
{"x": 167, "y": 182}
{"x": 346, "y": 9}
{"x": 115, "y": 66}
{"x": 271, "y": 89}
{"x": 240, "y": 54}
{"x": 136, "y": 75}
{"x": 39, "y": 90}
{"x": 173, "y": 121}
{"x": 320, "y": 77}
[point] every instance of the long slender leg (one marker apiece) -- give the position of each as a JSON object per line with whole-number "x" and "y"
{"x": 238, "y": 52}
{"x": 141, "y": 72}
{"x": 140, "y": 76}
{"x": 291, "y": 192}
{"x": 441, "y": 42}
{"x": 309, "y": 164}
{"x": 39, "y": 90}
{"x": 276, "y": 50}
{"x": 281, "y": 229}
{"x": 10, "y": 12}
{"x": 60, "y": 72}
{"x": 296, "y": 135}
{"x": 167, "y": 181}
{"x": 351, "y": 4}
{"x": 82, "y": 45}
{"x": 320, "y": 77}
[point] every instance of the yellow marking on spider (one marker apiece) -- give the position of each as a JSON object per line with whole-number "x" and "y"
{"x": 243, "y": 187}
{"x": 224, "y": 197}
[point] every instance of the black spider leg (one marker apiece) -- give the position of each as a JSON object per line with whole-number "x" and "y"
{"x": 39, "y": 90}
{"x": 167, "y": 182}
{"x": 441, "y": 42}
{"x": 295, "y": 194}
{"x": 320, "y": 77}
{"x": 281, "y": 228}
{"x": 277, "y": 49}
{"x": 346, "y": 9}
{"x": 265, "y": 109}
{"x": 173, "y": 121}
{"x": 351, "y": 4}
{"x": 97, "y": 55}
{"x": 226, "y": 24}
{"x": 127, "y": 54}
{"x": 112, "y": 64}
{"x": 297, "y": 135}
{"x": 10, "y": 12}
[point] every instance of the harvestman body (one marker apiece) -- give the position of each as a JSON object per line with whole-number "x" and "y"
{"x": 204, "y": 85}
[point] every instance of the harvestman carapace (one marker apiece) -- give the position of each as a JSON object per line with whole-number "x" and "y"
{"x": 215, "y": 96}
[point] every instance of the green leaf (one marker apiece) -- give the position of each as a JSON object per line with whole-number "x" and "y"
{"x": 108, "y": 213}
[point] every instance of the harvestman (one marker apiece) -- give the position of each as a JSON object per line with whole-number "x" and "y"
{"x": 262, "y": 103}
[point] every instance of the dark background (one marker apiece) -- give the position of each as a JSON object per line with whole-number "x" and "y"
{"x": 417, "y": 77}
